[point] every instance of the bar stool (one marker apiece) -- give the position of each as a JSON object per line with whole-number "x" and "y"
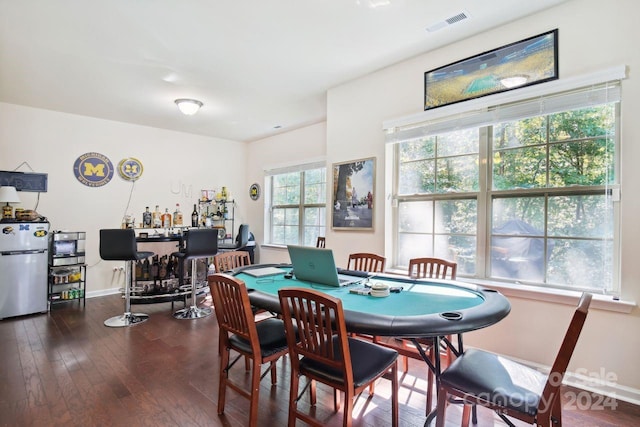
{"x": 200, "y": 243}
{"x": 120, "y": 245}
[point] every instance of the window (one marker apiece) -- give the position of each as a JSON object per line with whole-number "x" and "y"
{"x": 526, "y": 197}
{"x": 297, "y": 205}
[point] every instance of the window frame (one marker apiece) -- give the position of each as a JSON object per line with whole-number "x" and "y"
{"x": 486, "y": 195}
{"x": 301, "y": 206}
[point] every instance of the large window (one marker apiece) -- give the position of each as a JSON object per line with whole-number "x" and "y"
{"x": 526, "y": 200}
{"x": 297, "y": 205}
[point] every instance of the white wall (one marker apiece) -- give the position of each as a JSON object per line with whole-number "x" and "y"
{"x": 176, "y": 167}
{"x": 593, "y": 35}
{"x": 303, "y": 145}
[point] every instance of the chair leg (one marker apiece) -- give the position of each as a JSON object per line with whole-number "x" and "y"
{"x": 312, "y": 393}
{"x": 255, "y": 393}
{"x": 222, "y": 385}
{"x": 394, "y": 395}
{"x": 466, "y": 412}
{"x": 128, "y": 318}
{"x": 293, "y": 399}
{"x": 442, "y": 408}
{"x": 347, "y": 417}
{"x": 193, "y": 312}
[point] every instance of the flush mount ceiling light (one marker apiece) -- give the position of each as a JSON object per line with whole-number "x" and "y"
{"x": 188, "y": 106}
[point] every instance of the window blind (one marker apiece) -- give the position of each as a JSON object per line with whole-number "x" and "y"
{"x": 592, "y": 90}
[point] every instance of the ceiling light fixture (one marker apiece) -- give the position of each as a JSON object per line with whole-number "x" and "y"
{"x": 188, "y": 106}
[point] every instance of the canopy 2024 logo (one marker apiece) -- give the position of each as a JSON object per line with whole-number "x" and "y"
{"x": 93, "y": 169}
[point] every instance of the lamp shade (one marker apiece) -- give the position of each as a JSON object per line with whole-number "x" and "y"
{"x": 188, "y": 106}
{"x": 9, "y": 195}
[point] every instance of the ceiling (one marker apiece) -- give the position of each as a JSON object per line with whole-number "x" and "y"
{"x": 260, "y": 67}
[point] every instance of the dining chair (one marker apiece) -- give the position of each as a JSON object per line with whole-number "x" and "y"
{"x": 434, "y": 268}
{"x": 320, "y": 350}
{"x": 510, "y": 388}
{"x": 368, "y": 262}
{"x": 227, "y": 261}
{"x": 320, "y": 243}
{"x": 261, "y": 342}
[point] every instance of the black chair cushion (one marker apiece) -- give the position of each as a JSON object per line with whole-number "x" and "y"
{"x": 496, "y": 379}
{"x": 270, "y": 334}
{"x": 367, "y": 360}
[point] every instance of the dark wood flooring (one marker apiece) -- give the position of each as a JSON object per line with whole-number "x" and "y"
{"x": 67, "y": 369}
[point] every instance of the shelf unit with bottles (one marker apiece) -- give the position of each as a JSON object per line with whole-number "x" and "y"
{"x": 67, "y": 283}
{"x": 219, "y": 214}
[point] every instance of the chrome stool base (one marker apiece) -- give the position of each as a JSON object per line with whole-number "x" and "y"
{"x": 193, "y": 312}
{"x": 127, "y": 319}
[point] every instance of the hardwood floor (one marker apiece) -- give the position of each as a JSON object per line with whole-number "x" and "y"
{"x": 66, "y": 368}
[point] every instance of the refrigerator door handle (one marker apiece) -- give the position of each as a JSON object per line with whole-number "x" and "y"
{"x": 34, "y": 251}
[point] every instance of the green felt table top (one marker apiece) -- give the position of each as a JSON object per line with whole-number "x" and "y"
{"x": 416, "y": 298}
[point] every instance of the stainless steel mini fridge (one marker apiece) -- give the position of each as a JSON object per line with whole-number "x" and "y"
{"x": 23, "y": 268}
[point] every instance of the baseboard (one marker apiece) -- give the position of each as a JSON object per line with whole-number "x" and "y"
{"x": 103, "y": 292}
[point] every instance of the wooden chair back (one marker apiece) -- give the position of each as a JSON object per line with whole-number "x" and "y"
{"x": 233, "y": 310}
{"x": 551, "y": 392}
{"x": 368, "y": 262}
{"x": 320, "y": 243}
{"x": 322, "y": 333}
{"x": 433, "y": 268}
{"x": 227, "y": 261}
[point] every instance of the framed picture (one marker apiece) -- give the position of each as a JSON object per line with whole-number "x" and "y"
{"x": 353, "y": 194}
{"x": 524, "y": 63}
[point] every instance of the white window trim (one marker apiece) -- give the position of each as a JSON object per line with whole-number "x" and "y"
{"x": 606, "y": 302}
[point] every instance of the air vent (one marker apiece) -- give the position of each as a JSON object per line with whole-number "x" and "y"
{"x": 449, "y": 21}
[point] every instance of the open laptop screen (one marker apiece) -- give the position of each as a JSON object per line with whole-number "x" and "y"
{"x": 317, "y": 265}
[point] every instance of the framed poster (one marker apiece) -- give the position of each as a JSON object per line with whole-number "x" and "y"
{"x": 523, "y": 63}
{"x": 353, "y": 194}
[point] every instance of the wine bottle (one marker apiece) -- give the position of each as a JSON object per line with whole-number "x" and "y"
{"x": 194, "y": 217}
{"x": 177, "y": 216}
{"x": 146, "y": 269}
{"x": 146, "y": 218}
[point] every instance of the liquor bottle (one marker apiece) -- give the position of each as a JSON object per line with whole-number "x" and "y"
{"x": 166, "y": 218}
{"x": 156, "y": 218}
{"x": 177, "y": 216}
{"x": 146, "y": 269}
{"x": 194, "y": 217}
{"x": 138, "y": 270}
{"x": 146, "y": 218}
{"x": 155, "y": 268}
{"x": 163, "y": 267}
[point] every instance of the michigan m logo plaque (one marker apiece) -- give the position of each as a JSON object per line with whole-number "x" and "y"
{"x": 93, "y": 169}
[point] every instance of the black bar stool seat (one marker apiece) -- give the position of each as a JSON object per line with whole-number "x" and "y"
{"x": 199, "y": 243}
{"x": 120, "y": 245}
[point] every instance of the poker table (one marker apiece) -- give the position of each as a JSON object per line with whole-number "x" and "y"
{"x": 423, "y": 308}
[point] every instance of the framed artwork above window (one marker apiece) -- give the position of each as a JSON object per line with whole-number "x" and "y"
{"x": 524, "y": 63}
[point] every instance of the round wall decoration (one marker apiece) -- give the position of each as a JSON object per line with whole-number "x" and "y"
{"x": 93, "y": 169}
{"x": 254, "y": 191}
{"x": 130, "y": 169}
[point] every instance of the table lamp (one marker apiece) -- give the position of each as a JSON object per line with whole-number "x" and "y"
{"x": 8, "y": 195}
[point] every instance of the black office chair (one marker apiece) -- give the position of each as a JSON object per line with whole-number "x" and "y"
{"x": 120, "y": 245}
{"x": 241, "y": 240}
{"x": 202, "y": 243}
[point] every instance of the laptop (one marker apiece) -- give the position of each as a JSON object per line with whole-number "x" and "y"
{"x": 318, "y": 266}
